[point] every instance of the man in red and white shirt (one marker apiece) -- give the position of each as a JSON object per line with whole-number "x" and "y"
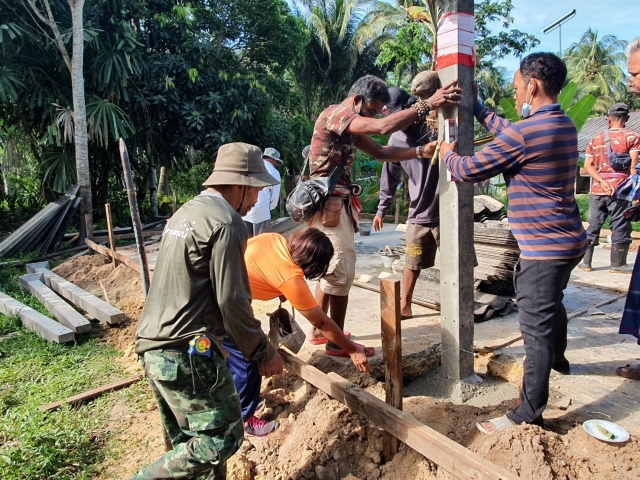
{"x": 603, "y": 203}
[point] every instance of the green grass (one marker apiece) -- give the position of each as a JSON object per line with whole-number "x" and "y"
{"x": 70, "y": 442}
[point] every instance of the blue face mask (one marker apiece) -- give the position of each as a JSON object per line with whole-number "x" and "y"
{"x": 526, "y": 106}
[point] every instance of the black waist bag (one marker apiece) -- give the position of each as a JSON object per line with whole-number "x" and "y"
{"x": 309, "y": 196}
{"x": 620, "y": 162}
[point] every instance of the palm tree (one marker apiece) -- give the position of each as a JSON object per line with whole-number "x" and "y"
{"x": 345, "y": 39}
{"x": 595, "y": 65}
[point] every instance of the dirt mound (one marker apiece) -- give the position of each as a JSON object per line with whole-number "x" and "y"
{"x": 123, "y": 287}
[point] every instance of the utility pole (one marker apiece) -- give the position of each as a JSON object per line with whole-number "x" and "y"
{"x": 456, "y": 60}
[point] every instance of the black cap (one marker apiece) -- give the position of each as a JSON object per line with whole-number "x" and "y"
{"x": 619, "y": 109}
{"x": 400, "y": 99}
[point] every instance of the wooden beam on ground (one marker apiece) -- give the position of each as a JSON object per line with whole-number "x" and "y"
{"x": 97, "y": 308}
{"x": 91, "y": 394}
{"x": 392, "y": 355}
{"x": 22, "y": 263}
{"x": 414, "y": 300}
{"x": 128, "y": 236}
{"x": 112, "y": 241}
{"x": 65, "y": 313}
{"x": 441, "y": 450}
{"x": 35, "y": 321}
{"x": 456, "y": 199}
{"x": 107, "y": 252}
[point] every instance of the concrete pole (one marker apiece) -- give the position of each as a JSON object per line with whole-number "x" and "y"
{"x": 456, "y": 216}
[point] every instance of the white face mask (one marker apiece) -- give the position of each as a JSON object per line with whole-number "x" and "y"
{"x": 526, "y": 106}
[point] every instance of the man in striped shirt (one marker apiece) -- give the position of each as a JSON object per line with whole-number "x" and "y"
{"x": 538, "y": 157}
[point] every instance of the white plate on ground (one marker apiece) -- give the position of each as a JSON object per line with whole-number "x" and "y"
{"x": 620, "y": 434}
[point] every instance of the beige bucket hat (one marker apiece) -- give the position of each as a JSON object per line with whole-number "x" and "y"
{"x": 240, "y": 164}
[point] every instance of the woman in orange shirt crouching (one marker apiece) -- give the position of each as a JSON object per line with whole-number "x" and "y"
{"x": 278, "y": 268}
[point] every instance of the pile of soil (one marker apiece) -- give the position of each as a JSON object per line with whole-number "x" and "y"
{"x": 319, "y": 438}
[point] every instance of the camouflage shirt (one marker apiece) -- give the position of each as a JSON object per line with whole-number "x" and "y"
{"x": 331, "y": 145}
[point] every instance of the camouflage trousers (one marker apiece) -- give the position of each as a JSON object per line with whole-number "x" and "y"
{"x": 205, "y": 426}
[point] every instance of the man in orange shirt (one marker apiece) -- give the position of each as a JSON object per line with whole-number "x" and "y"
{"x": 278, "y": 268}
{"x": 607, "y": 176}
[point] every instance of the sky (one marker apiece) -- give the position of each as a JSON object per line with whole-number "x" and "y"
{"x": 612, "y": 17}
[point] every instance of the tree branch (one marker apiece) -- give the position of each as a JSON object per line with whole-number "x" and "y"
{"x": 51, "y": 23}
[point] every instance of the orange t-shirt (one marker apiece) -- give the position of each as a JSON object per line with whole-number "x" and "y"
{"x": 272, "y": 272}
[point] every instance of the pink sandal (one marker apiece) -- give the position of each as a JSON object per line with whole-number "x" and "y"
{"x": 321, "y": 340}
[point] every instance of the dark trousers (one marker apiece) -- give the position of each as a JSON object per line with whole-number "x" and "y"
{"x": 601, "y": 207}
{"x": 200, "y": 410}
{"x": 539, "y": 286}
{"x": 246, "y": 377}
{"x": 630, "y": 323}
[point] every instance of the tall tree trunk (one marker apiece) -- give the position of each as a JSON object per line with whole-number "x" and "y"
{"x": 153, "y": 189}
{"x": 80, "y": 113}
{"x": 75, "y": 65}
{"x": 162, "y": 182}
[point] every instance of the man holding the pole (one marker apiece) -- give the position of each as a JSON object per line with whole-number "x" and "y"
{"x": 538, "y": 157}
{"x": 338, "y": 132}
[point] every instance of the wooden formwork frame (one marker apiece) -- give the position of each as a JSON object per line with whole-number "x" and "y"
{"x": 441, "y": 450}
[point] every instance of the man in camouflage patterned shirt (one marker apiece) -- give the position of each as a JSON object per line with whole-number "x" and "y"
{"x": 200, "y": 292}
{"x": 338, "y": 132}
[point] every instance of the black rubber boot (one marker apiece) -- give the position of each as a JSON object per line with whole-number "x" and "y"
{"x": 586, "y": 260}
{"x": 619, "y": 258}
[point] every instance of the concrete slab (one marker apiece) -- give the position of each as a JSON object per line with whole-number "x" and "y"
{"x": 32, "y": 320}
{"x": 91, "y": 304}
{"x": 600, "y": 276}
{"x": 60, "y": 309}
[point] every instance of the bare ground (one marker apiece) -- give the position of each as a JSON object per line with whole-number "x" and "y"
{"x": 319, "y": 438}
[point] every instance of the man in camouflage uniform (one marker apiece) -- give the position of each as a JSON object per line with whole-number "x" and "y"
{"x": 200, "y": 294}
{"x": 340, "y": 130}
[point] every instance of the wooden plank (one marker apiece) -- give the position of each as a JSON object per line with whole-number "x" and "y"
{"x": 22, "y": 263}
{"x": 91, "y": 304}
{"x": 60, "y": 309}
{"x": 32, "y": 320}
{"x": 128, "y": 236}
{"x": 112, "y": 241}
{"x": 434, "y": 446}
{"x": 135, "y": 218}
{"x": 91, "y": 394}
{"x": 415, "y": 300}
{"x": 392, "y": 354}
{"x": 111, "y": 254}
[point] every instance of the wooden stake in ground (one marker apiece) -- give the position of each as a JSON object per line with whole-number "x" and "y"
{"x": 456, "y": 61}
{"x": 392, "y": 354}
{"x": 88, "y": 221}
{"x": 135, "y": 218}
{"x": 112, "y": 240}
